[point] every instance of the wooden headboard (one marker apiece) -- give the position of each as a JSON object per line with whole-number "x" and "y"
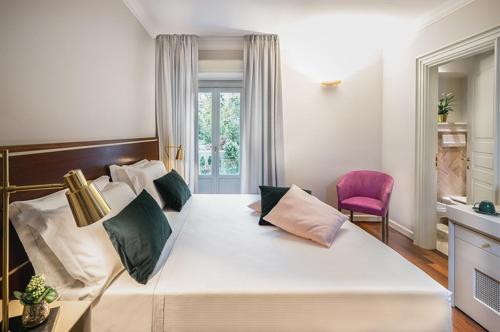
{"x": 47, "y": 163}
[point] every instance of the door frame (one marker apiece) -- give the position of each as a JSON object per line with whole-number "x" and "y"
{"x": 425, "y": 206}
{"x": 216, "y": 87}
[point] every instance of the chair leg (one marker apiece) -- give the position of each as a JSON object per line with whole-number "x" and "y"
{"x": 382, "y": 229}
{"x": 387, "y": 227}
{"x": 352, "y": 216}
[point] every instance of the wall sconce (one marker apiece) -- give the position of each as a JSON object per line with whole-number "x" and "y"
{"x": 330, "y": 84}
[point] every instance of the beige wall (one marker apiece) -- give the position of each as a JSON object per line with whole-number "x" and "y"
{"x": 398, "y": 125}
{"x": 74, "y": 70}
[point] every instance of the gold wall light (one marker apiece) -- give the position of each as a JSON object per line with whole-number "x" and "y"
{"x": 330, "y": 84}
{"x": 87, "y": 205}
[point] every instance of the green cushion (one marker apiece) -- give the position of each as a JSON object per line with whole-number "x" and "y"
{"x": 269, "y": 197}
{"x": 173, "y": 189}
{"x": 139, "y": 233}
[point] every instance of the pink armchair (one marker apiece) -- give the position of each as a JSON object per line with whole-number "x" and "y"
{"x": 366, "y": 192}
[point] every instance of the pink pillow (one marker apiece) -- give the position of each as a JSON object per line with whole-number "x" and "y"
{"x": 256, "y": 206}
{"x": 304, "y": 215}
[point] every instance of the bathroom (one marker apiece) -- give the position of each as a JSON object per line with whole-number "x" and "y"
{"x": 465, "y": 116}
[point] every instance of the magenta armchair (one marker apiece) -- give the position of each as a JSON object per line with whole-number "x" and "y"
{"x": 366, "y": 192}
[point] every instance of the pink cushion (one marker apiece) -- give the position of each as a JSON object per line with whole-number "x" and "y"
{"x": 304, "y": 215}
{"x": 256, "y": 206}
{"x": 364, "y": 205}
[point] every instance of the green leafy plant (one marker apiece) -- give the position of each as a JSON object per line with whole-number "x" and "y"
{"x": 446, "y": 103}
{"x": 36, "y": 292}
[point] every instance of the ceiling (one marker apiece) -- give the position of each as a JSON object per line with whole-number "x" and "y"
{"x": 239, "y": 17}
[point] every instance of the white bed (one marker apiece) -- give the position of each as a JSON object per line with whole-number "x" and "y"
{"x": 223, "y": 272}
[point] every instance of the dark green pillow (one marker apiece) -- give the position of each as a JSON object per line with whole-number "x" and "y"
{"x": 269, "y": 197}
{"x": 173, "y": 189}
{"x": 139, "y": 233}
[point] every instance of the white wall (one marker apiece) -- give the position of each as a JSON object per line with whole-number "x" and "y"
{"x": 72, "y": 71}
{"x": 329, "y": 132}
{"x": 398, "y": 125}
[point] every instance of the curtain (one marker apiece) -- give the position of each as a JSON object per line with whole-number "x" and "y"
{"x": 176, "y": 100}
{"x": 262, "y": 114}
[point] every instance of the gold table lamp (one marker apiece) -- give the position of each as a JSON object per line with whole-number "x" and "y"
{"x": 87, "y": 206}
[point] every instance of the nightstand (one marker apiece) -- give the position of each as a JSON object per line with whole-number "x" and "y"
{"x": 74, "y": 315}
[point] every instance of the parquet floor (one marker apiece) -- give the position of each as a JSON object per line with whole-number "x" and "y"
{"x": 431, "y": 262}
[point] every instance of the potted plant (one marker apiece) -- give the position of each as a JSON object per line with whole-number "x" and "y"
{"x": 445, "y": 105}
{"x": 35, "y": 300}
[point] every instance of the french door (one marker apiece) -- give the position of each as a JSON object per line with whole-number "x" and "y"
{"x": 218, "y": 140}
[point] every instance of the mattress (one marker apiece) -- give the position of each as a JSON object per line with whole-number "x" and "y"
{"x": 226, "y": 273}
{"x": 127, "y": 305}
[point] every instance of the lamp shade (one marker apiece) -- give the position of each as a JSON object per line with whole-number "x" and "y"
{"x": 85, "y": 200}
{"x": 180, "y": 153}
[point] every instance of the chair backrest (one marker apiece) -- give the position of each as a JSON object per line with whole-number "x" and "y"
{"x": 367, "y": 183}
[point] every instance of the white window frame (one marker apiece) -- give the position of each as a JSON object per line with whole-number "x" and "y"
{"x": 216, "y": 87}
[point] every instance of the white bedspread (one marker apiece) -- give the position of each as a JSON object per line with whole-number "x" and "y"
{"x": 226, "y": 273}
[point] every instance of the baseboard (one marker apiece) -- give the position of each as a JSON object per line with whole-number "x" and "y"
{"x": 400, "y": 228}
{"x": 393, "y": 224}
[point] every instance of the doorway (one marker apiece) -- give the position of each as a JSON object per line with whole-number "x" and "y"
{"x": 218, "y": 140}
{"x": 466, "y": 136}
{"x": 482, "y": 177}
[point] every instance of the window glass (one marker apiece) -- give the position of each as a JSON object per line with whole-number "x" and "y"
{"x": 205, "y": 133}
{"x": 229, "y": 143}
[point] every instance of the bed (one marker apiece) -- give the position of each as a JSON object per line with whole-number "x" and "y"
{"x": 220, "y": 271}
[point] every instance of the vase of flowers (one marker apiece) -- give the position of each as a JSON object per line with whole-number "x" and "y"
{"x": 445, "y": 105}
{"x": 36, "y": 299}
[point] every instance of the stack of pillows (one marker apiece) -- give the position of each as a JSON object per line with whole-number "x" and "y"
{"x": 139, "y": 232}
{"x": 81, "y": 262}
{"x": 298, "y": 212}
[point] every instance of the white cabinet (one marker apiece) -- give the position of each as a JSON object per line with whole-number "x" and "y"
{"x": 474, "y": 265}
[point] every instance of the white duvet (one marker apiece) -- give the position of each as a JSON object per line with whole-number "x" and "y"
{"x": 224, "y": 272}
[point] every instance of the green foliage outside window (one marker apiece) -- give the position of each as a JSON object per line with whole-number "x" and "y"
{"x": 230, "y": 133}
{"x": 229, "y": 145}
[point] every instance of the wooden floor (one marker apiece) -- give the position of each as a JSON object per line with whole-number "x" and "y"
{"x": 432, "y": 262}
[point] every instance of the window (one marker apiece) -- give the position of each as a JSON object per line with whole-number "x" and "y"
{"x": 218, "y": 140}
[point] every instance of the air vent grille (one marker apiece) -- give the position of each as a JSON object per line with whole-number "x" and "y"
{"x": 488, "y": 290}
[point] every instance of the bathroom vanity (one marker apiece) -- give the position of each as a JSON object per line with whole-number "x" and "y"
{"x": 474, "y": 264}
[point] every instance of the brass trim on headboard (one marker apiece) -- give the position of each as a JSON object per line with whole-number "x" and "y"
{"x": 54, "y": 146}
{"x": 17, "y": 268}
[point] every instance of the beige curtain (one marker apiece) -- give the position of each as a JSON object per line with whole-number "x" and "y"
{"x": 262, "y": 115}
{"x": 176, "y": 100}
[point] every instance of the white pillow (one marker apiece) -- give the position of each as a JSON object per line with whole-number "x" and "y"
{"x": 118, "y": 173}
{"x": 100, "y": 182}
{"x": 41, "y": 257}
{"x": 142, "y": 178}
{"x": 86, "y": 253}
{"x": 304, "y": 215}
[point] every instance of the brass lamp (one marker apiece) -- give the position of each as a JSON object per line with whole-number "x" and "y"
{"x": 87, "y": 206}
{"x": 179, "y": 155}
